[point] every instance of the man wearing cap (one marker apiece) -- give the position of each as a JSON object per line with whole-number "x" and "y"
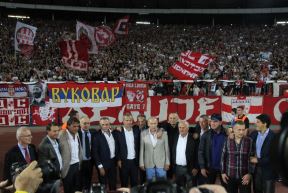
{"x": 210, "y": 149}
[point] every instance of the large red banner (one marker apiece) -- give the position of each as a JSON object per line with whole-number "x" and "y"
{"x": 188, "y": 109}
{"x": 275, "y": 107}
{"x": 14, "y": 111}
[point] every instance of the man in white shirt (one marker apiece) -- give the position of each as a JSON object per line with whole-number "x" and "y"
{"x": 105, "y": 152}
{"x": 128, "y": 141}
{"x": 154, "y": 152}
{"x": 71, "y": 152}
{"x": 184, "y": 155}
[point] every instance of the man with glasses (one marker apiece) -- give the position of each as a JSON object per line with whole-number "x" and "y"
{"x": 23, "y": 153}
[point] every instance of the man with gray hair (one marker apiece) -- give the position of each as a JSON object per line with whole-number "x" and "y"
{"x": 22, "y": 153}
{"x": 154, "y": 152}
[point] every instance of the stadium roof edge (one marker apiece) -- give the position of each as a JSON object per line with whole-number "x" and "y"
{"x": 145, "y": 11}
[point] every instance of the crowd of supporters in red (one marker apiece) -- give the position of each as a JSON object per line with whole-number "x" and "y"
{"x": 250, "y": 53}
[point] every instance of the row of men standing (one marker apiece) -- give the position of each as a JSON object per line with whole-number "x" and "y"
{"x": 174, "y": 148}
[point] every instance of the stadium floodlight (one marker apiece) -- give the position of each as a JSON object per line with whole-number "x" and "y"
{"x": 281, "y": 22}
{"x": 143, "y": 22}
{"x": 19, "y": 16}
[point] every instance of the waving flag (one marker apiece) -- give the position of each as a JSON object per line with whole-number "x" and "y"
{"x": 74, "y": 54}
{"x": 86, "y": 32}
{"x": 104, "y": 36}
{"x": 190, "y": 66}
{"x": 24, "y": 39}
{"x": 121, "y": 26}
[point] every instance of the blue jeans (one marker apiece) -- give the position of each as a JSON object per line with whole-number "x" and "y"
{"x": 155, "y": 174}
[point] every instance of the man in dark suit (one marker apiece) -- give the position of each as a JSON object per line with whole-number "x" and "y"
{"x": 86, "y": 135}
{"x": 23, "y": 153}
{"x": 49, "y": 149}
{"x": 171, "y": 127}
{"x": 264, "y": 175}
{"x": 141, "y": 125}
{"x": 105, "y": 153}
{"x": 128, "y": 141}
{"x": 184, "y": 155}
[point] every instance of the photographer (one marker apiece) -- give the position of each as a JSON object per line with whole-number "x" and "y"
{"x": 27, "y": 181}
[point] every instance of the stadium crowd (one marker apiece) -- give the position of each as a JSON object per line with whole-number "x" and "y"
{"x": 251, "y": 53}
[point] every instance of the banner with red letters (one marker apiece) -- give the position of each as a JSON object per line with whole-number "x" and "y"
{"x": 136, "y": 96}
{"x": 14, "y": 111}
{"x": 274, "y": 107}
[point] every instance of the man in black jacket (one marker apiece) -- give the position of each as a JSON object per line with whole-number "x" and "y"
{"x": 183, "y": 155}
{"x": 128, "y": 142}
{"x": 264, "y": 175}
{"x": 210, "y": 149}
{"x": 23, "y": 153}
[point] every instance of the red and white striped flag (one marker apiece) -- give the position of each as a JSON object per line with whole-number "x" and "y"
{"x": 24, "y": 38}
{"x": 253, "y": 106}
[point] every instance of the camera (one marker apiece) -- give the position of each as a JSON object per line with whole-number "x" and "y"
{"x": 161, "y": 186}
{"x": 50, "y": 173}
{"x": 95, "y": 188}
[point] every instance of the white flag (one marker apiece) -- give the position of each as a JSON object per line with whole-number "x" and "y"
{"x": 87, "y": 32}
{"x": 24, "y": 35}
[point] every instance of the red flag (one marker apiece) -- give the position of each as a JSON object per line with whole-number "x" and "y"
{"x": 75, "y": 54}
{"x": 104, "y": 36}
{"x": 121, "y": 26}
{"x": 190, "y": 66}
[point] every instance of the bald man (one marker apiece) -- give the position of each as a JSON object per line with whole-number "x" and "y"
{"x": 86, "y": 135}
{"x": 171, "y": 127}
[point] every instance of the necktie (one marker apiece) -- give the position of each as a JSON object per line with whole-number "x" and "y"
{"x": 27, "y": 156}
{"x": 87, "y": 145}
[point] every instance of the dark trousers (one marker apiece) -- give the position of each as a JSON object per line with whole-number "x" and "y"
{"x": 86, "y": 174}
{"x": 129, "y": 170}
{"x": 142, "y": 176}
{"x": 234, "y": 185}
{"x": 212, "y": 175}
{"x": 184, "y": 178}
{"x": 261, "y": 185}
{"x": 110, "y": 176}
{"x": 71, "y": 182}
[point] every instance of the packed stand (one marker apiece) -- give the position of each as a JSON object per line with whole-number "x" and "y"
{"x": 147, "y": 51}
